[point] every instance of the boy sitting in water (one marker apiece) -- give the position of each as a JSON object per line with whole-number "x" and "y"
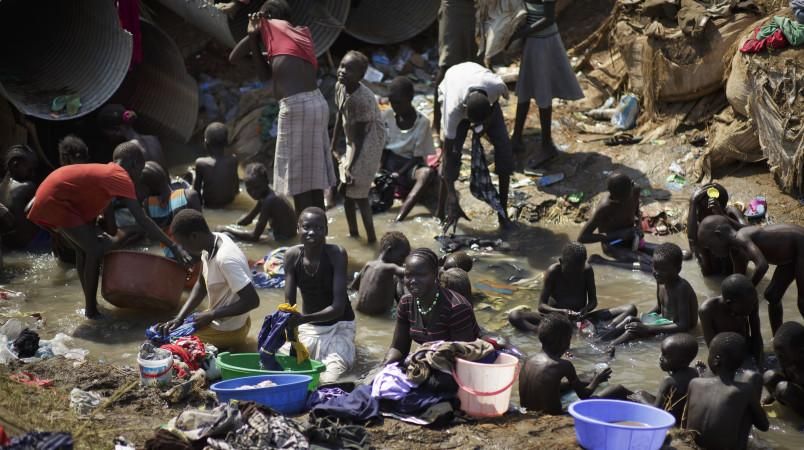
{"x": 787, "y": 384}
{"x": 272, "y": 209}
{"x": 456, "y": 279}
{"x": 676, "y": 308}
{"x": 216, "y": 175}
{"x": 678, "y": 352}
{"x": 735, "y": 310}
{"x": 617, "y": 221}
{"x": 377, "y": 282}
{"x": 542, "y": 379}
{"x": 721, "y": 409}
{"x": 569, "y": 289}
{"x": 782, "y": 245}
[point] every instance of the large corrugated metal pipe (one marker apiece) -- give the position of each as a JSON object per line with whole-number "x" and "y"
{"x": 71, "y": 53}
{"x": 159, "y": 89}
{"x": 324, "y": 17}
{"x": 390, "y": 21}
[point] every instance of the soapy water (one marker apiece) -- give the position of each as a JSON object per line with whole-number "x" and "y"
{"x": 53, "y": 290}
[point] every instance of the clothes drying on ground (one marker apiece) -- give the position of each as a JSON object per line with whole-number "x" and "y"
{"x": 331, "y": 433}
{"x": 185, "y": 329}
{"x": 41, "y": 441}
{"x": 391, "y": 383}
{"x": 793, "y": 31}
{"x": 323, "y": 394}
{"x": 358, "y": 406}
{"x": 195, "y": 425}
{"x": 441, "y": 356}
{"x": 273, "y": 335}
{"x": 263, "y": 429}
{"x": 437, "y": 415}
{"x": 775, "y": 41}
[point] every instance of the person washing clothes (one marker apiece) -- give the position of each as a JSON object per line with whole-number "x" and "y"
{"x": 225, "y": 278}
{"x": 365, "y": 138}
{"x": 317, "y": 269}
{"x": 303, "y": 166}
{"x": 545, "y": 74}
{"x": 70, "y": 199}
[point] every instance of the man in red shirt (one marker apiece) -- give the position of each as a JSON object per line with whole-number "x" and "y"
{"x": 70, "y": 199}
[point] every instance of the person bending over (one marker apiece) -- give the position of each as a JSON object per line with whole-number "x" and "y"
{"x": 781, "y": 245}
{"x": 787, "y": 384}
{"x": 70, "y": 199}
{"x": 225, "y": 278}
{"x": 711, "y": 199}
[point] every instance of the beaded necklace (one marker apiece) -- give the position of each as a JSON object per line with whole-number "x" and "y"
{"x": 424, "y": 312}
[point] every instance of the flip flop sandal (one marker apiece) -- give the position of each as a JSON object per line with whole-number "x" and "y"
{"x": 622, "y": 139}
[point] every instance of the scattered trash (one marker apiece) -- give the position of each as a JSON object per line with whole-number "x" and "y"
{"x": 627, "y": 110}
{"x": 675, "y": 182}
{"x": 757, "y": 208}
{"x": 677, "y": 169}
{"x": 622, "y": 139}
{"x": 658, "y": 142}
{"x": 72, "y": 103}
{"x": 7, "y": 294}
{"x": 551, "y": 179}
{"x": 30, "y": 380}
{"x": 26, "y": 344}
{"x": 496, "y": 288}
{"x": 522, "y": 183}
{"x": 58, "y": 346}
{"x": 575, "y": 198}
{"x": 12, "y": 329}
{"x": 121, "y": 443}
{"x": 83, "y": 402}
{"x": 373, "y": 75}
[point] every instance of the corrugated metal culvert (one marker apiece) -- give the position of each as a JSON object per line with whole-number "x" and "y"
{"x": 72, "y": 49}
{"x": 390, "y": 21}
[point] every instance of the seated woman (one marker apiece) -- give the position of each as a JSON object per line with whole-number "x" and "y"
{"x": 409, "y": 142}
{"x": 16, "y": 190}
{"x": 709, "y": 200}
{"x": 429, "y": 312}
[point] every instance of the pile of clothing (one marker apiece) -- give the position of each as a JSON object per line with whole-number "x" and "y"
{"x": 781, "y": 32}
{"x": 421, "y": 391}
{"x": 37, "y": 440}
{"x": 189, "y": 355}
{"x": 269, "y": 272}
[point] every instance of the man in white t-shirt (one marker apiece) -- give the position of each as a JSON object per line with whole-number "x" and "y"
{"x": 225, "y": 278}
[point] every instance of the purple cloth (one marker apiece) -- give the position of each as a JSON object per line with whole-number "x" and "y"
{"x": 323, "y": 394}
{"x": 358, "y": 406}
{"x": 273, "y": 335}
{"x": 391, "y": 383}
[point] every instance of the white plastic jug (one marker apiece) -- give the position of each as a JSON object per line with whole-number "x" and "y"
{"x": 485, "y": 389}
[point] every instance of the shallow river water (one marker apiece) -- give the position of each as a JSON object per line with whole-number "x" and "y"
{"x": 53, "y": 290}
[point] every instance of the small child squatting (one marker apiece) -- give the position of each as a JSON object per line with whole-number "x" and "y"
{"x": 547, "y": 375}
{"x": 377, "y": 285}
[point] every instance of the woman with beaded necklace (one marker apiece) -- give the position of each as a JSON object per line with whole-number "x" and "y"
{"x": 430, "y": 312}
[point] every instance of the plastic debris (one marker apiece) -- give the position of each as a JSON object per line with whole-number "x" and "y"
{"x": 373, "y": 75}
{"x": 675, "y": 182}
{"x": 58, "y": 345}
{"x": 83, "y": 402}
{"x": 30, "y": 380}
{"x": 121, "y": 443}
{"x": 7, "y": 294}
{"x": 551, "y": 179}
{"x": 625, "y": 116}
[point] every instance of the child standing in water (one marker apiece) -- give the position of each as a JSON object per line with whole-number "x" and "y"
{"x": 216, "y": 175}
{"x": 542, "y": 378}
{"x": 545, "y": 74}
{"x": 365, "y": 139}
{"x": 721, "y": 409}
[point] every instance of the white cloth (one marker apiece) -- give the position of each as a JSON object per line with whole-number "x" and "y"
{"x": 412, "y": 143}
{"x": 226, "y": 272}
{"x": 458, "y": 82}
{"x": 333, "y": 345}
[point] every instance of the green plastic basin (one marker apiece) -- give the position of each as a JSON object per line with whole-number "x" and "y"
{"x": 238, "y": 365}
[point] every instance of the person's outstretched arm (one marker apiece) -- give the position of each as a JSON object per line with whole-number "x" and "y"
{"x": 153, "y": 230}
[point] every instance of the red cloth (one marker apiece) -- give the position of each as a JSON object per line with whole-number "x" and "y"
{"x": 775, "y": 41}
{"x": 190, "y": 350}
{"x": 282, "y": 38}
{"x": 75, "y": 195}
{"x": 129, "y": 13}
{"x": 4, "y": 440}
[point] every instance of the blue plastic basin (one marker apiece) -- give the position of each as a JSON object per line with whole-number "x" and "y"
{"x": 287, "y": 397}
{"x": 596, "y": 428}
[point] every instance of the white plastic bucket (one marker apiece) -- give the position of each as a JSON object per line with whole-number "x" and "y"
{"x": 485, "y": 389}
{"x": 156, "y": 371}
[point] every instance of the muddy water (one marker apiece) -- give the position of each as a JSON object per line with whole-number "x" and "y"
{"x": 54, "y": 290}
